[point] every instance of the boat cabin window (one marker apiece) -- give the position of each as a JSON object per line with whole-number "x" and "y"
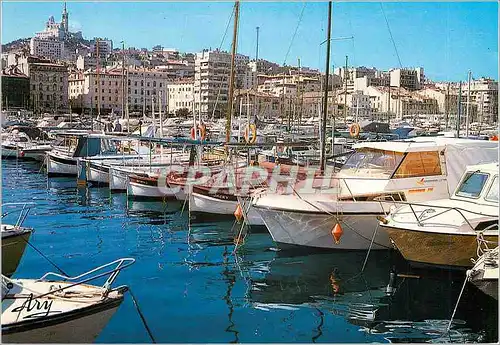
{"x": 369, "y": 162}
{"x": 493, "y": 192}
{"x": 417, "y": 164}
{"x": 472, "y": 185}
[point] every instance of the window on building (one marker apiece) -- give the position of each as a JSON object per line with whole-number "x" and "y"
{"x": 102, "y": 90}
{"x": 129, "y": 82}
{"x": 142, "y": 83}
{"x": 102, "y": 82}
{"x": 160, "y": 84}
{"x": 95, "y": 98}
{"x": 148, "y": 83}
{"x": 102, "y": 98}
{"x": 135, "y": 83}
{"x": 60, "y": 88}
{"x": 135, "y": 100}
{"x": 110, "y": 99}
{"x": 154, "y": 83}
{"x": 96, "y": 90}
{"x": 135, "y": 92}
{"x": 147, "y": 92}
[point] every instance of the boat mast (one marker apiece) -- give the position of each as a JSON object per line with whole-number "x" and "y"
{"x": 467, "y": 113}
{"x": 325, "y": 100}
{"x": 231, "y": 78}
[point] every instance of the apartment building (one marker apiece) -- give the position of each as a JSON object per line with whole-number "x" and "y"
{"x": 49, "y": 48}
{"x": 144, "y": 88}
{"x": 484, "y": 96}
{"x": 410, "y": 79}
{"x": 211, "y": 81}
{"x": 48, "y": 84}
{"x": 180, "y": 94}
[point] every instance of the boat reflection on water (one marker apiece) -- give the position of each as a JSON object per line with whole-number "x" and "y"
{"x": 385, "y": 300}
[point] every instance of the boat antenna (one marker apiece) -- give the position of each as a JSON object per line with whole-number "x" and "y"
{"x": 325, "y": 100}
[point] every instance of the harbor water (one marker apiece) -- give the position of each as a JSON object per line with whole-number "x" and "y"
{"x": 192, "y": 286}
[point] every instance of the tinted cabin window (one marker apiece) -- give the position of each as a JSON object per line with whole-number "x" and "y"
{"x": 493, "y": 192}
{"x": 472, "y": 185}
{"x": 417, "y": 164}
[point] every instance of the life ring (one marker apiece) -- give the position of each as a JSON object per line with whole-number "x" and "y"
{"x": 354, "y": 130}
{"x": 193, "y": 133}
{"x": 494, "y": 138}
{"x": 250, "y": 139}
{"x": 203, "y": 131}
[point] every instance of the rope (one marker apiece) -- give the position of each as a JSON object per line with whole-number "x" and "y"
{"x": 369, "y": 248}
{"x": 45, "y": 257}
{"x": 458, "y": 301}
{"x": 390, "y": 33}
{"x": 143, "y": 319}
{"x": 295, "y": 32}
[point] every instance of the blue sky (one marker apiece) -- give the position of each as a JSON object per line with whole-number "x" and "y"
{"x": 446, "y": 38}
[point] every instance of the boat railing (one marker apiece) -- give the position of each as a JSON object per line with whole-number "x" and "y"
{"x": 23, "y": 212}
{"x": 431, "y": 209}
{"x": 93, "y": 274}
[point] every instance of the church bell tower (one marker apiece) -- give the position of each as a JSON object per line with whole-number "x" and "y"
{"x": 64, "y": 21}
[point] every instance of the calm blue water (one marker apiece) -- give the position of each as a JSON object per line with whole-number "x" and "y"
{"x": 191, "y": 288}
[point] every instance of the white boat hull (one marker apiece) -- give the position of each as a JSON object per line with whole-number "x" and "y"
{"x": 81, "y": 330}
{"x": 315, "y": 230}
{"x": 97, "y": 176}
{"x": 59, "y": 168}
{"x": 117, "y": 180}
{"x": 206, "y": 204}
{"x": 136, "y": 190}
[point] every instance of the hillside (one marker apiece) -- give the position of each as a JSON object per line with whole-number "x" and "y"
{"x": 16, "y": 45}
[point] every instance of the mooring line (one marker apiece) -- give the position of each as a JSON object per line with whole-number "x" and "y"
{"x": 143, "y": 319}
{"x": 45, "y": 257}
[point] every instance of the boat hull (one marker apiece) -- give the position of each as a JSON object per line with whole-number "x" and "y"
{"x": 97, "y": 174}
{"x": 57, "y": 166}
{"x": 136, "y": 190}
{"x": 13, "y": 247}
{"x": 489, "y": 287}
{"x": 436, "y": 249}
{"x": 315, "y": 230}
{"x": 117, "y": 180}
{"x": 77, "y": 328}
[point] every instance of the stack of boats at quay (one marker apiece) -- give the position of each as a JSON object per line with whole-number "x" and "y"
{"x": 432, "y": 198}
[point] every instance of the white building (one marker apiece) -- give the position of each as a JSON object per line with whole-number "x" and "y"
{"x": 410, "y": 79}
{"x": 358, "y": 104}
{"x": 211, "y": 81}
{"x": 180, "y": 95}
{"x": 143, "y": 88}
{"x": 49, "y": 48}
{"x": 484, "y": 95}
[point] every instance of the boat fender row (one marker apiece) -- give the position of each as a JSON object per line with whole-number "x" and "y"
{"x": 202, "y": 132}
{"x": 250, "y": 129}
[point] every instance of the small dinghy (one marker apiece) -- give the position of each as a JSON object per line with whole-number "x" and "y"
{"x": 60, "y": 309}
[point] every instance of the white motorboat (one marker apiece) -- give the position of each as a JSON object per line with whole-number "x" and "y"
{"x": 446, "y": 232}
{"x": 66, "y": 310}
{"x": 63, "y": 161}
{"x": 374, "y": 178}
{"x": 484, "y": 274}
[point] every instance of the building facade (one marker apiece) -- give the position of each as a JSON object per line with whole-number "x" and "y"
{"x": 15, "y": 88}
{"x": 48, "y": 84}
{"x": 211, "y": 80}
{"x": 180, "y": 94}
{"x": 49, "y": 48}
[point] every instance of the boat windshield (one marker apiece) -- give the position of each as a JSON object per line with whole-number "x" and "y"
{"x": 493, "y": 192}
{"x": 472, "y": 185}
{"x": 368, "y": 162}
